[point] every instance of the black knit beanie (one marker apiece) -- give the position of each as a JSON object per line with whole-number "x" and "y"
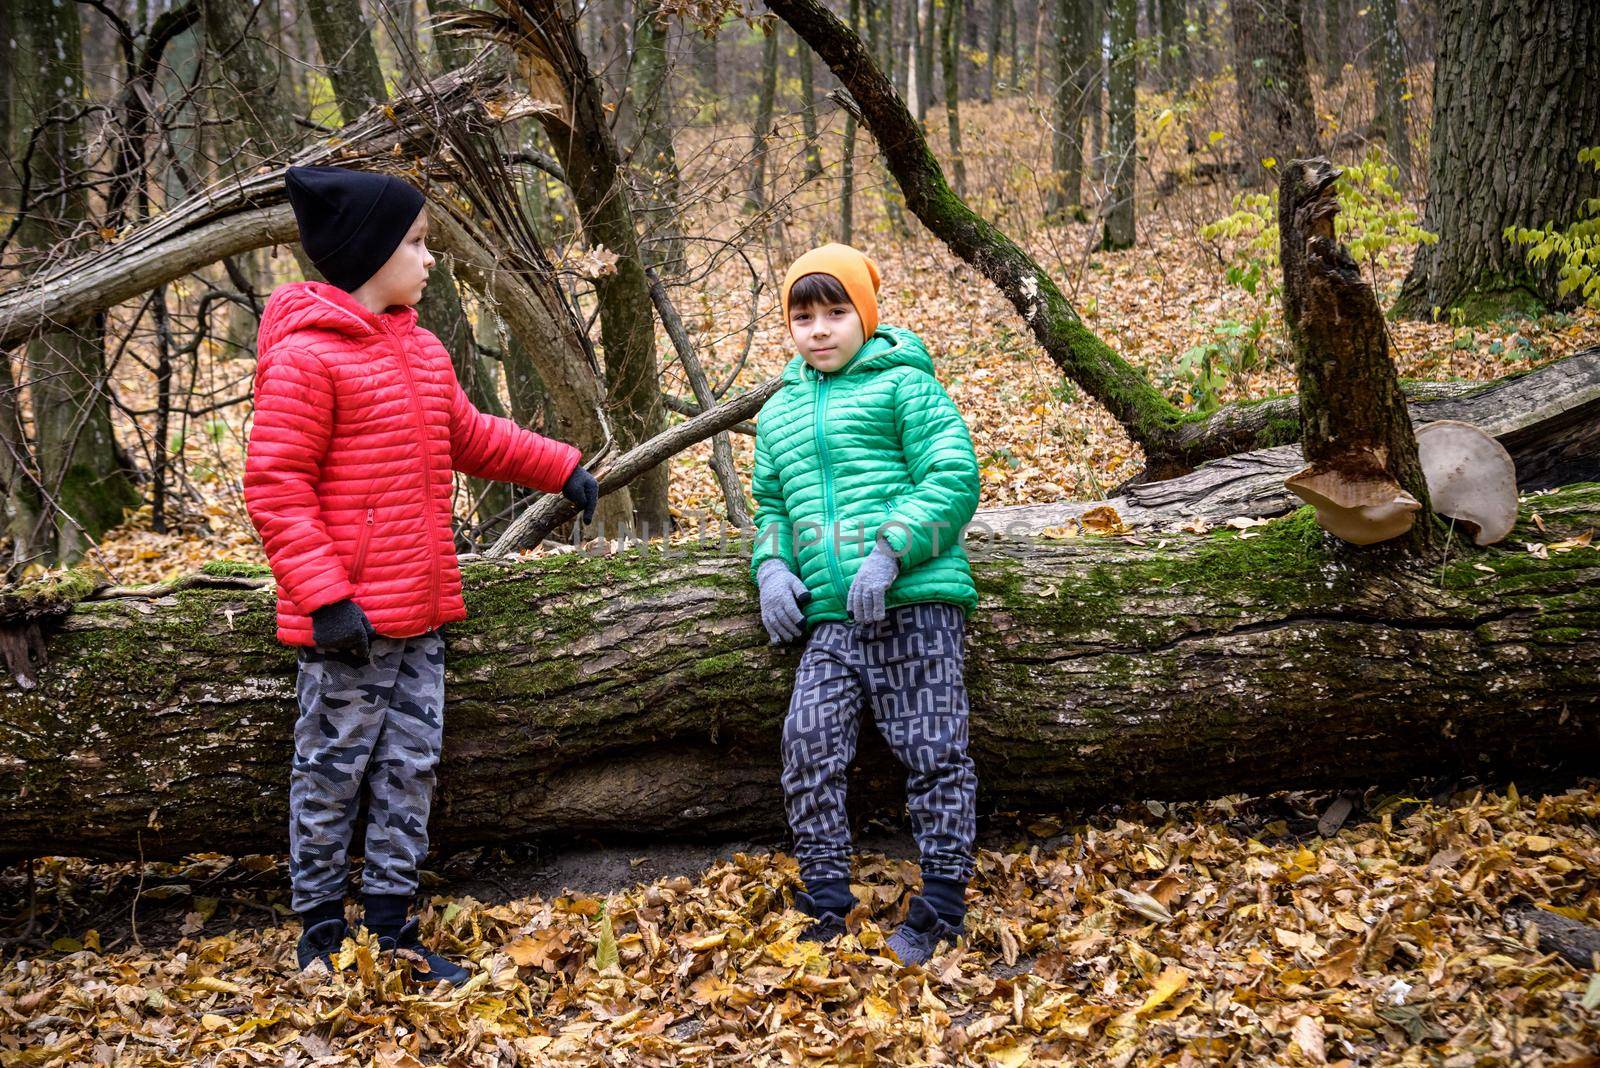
{"x": 350, "y": 221}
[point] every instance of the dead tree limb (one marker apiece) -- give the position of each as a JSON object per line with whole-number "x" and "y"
{"x": 1356, "y": 434}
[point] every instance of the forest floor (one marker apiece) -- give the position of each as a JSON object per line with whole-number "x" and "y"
{"x": 1223, "y": 932}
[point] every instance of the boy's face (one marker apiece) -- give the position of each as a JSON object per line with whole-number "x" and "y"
{"x": 401, "y": 279}
{"x": 828, "y": 335}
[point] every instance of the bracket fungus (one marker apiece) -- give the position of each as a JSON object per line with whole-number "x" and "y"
{"x": 1360, "y": 509}
{"x": 1471, "y": 478}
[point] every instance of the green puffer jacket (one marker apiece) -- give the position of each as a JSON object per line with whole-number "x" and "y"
{"x": 875, "y": 447}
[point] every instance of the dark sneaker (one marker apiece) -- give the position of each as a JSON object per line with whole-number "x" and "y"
{"x": 426, "y": 965}
{"x": 828, "y": 924}
{"x": 921, "y": 934}
{"x": 318, "y": 943}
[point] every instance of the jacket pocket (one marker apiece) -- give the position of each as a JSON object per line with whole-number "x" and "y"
{"x": 361, "y": 548}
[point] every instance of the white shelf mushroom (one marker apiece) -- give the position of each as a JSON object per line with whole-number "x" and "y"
{"x": 1471, "y": 478}
{"x": 1360, "y": 510}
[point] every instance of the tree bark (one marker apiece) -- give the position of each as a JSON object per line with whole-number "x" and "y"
{"x": 345, "y": 41}
{"x": 761, "y": 128}
{"x": 581, "y": 137}
{"x": 847, "y": 165}
{"x": 1514, "y": 98}
{"x": 1389, "y": 80}
{"x": 1124, "y": 149}
{"x": 927, "y": 56}
{"x": 82, "y": 486}
{"x": 1578, "y": 943}
{"x": 1276, "y": 121}
{"x": 995, "y": 23}
{"x": 656, "y": 154}
{"x": 1071, "y": 91}
{"x": 808, "y": 111}
{"x": 1175, "y": 46}
{"x": 637, "y": 695}
{"x": 1355, "y": 428}
{"x": 952, "y": 93}
{"x": 880, "y": 41}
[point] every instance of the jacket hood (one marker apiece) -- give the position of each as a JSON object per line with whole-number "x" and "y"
{"x": 889, "y": 346}
{"x": 320, "y": 306}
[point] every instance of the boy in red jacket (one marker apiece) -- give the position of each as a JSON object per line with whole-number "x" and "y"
{"x": 359, "y": 421}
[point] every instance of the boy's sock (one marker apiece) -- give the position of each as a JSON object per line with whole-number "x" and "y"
{"x": 332, "y": 909}
{"x": 832, "y": 895}
{"x": 948, "y": 898}
{"x": 386, "y": 913}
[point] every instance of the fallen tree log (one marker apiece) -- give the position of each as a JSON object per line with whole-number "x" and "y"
{"x": 1577, "y": 943}
{"x": 636, "y": 694}
{"x": 1548, "y": 419}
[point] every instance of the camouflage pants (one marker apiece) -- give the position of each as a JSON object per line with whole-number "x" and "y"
{"x": 908, "y": 669}
{"x": 364, "y": 727}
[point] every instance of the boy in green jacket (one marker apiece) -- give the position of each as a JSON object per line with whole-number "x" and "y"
{"x": 864, "y": 479}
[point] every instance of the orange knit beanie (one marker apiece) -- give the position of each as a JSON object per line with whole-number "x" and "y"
{"x": 854, "y": 270}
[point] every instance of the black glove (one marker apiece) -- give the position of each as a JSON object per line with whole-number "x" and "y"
{"x": 343, "y": 627}
{"x": 582, "y": 490}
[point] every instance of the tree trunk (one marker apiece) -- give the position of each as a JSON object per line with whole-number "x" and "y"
{"x": 1515, "y": 97}
{"x": 1355, "y": 429}
{"x": 912, "y": 35}
{"x": 1097, "y": 89}
{"x": 761, "y": 128}
{"x": 83, "y": 486}
{"x": 808, "y": 111}
{"x": 19, "y": 477}
{"x": 996, "y": 18}
{"x": 710, "y": 71}
{"x": 637, "y": 695}
{"x": 345, "y": 40}
{"x": 582, "y": 141}
{"x": 653, "y": 113}
{"x": 1071, "y": 90}
{"x": 1203, "y": 58}
{"x": 1175, "y": 46}
{"x": 1389, "y": 81}
{"x": 952, "y": 93}
{"x": 1338, "y": 26}
{"x": 1276, "y": 121}
{"x": 847, "y": 166}
{"x": 880, "y": 41}
{"x": 1124, "y": 148}
{"x": 259, "y": 108}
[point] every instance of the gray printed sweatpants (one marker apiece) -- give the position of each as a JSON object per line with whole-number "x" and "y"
{"x": 364, "y": 726}
{"x": 908, "y": 670}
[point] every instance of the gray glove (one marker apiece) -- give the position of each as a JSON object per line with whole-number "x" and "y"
{"x": 782, "y": 596}
{"x": 878, "y": 571}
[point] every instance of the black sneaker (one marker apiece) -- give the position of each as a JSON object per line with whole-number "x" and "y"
{"x": 318, "y": 943}
{"x": 921, "y": 934}
{"x": 828, "y": 924}
{"x": 425, "y": 963}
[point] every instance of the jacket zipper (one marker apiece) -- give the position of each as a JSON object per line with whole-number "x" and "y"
{"x": 361, "y": 548}
{"x": 828, "y": 546}
{"x": 427, "y": 469}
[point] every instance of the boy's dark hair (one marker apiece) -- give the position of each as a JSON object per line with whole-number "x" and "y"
{"x": 811, "y": 289}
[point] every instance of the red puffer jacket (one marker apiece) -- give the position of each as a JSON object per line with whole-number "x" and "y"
{"x": 359, "y": 421}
